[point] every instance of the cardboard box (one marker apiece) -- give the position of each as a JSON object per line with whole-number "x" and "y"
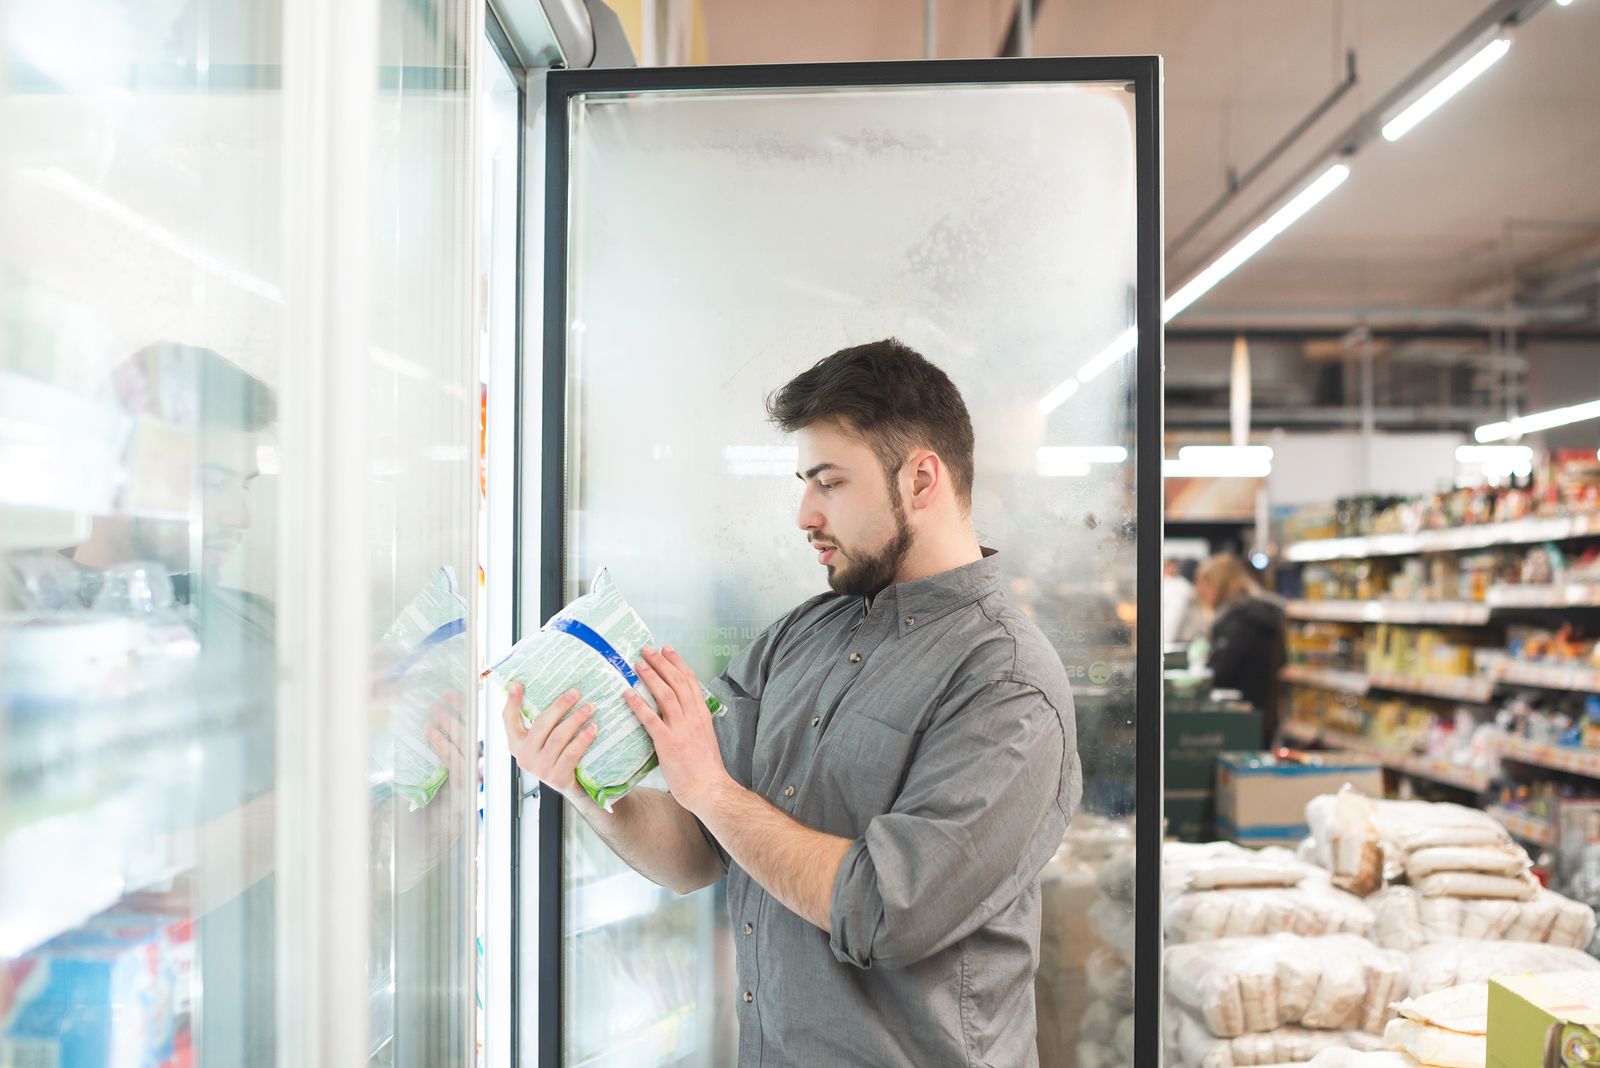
{"x": 1261, "y": 799}
{"x": 1194, "y": 740}
{"x": 1535, "y": 1019}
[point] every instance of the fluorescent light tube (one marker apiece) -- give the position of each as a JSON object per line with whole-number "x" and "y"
{"x": 1058, "y": 396}
{"x": 1214, "y": 469}
{"x": 1255, "y": 240}
{"x": 1528, "y": 424}
{"x": 1451, "y": 84}
{"x": 1069, "y": 460}
{"x": 1220, "y": 454}
{"x": 1484, "y": 454}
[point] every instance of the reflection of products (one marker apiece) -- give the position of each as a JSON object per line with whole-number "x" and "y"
{"x": 425, "y": 655}
{"x": 591, "y": 646}
{"x": 1570, "y": 1045}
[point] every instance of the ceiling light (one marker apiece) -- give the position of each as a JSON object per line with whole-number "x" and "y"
{"x": 1448, "y": 87}
{"x": 1239, "y": 454}
{"x": 1255, "y": 240}
{"x": 1069, "y": 460}
{"x": 1528, "y": 424}
{"x": 1216, "y": 467}
{"x": 1058, "y": 396}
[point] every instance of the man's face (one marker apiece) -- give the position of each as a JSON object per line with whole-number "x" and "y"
{"x": 857, "y": 526}
{"x": 226, "y": 467}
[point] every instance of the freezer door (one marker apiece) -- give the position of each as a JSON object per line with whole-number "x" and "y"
{"x": 712, "y": 232}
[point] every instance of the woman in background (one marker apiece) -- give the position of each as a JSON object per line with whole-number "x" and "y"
{"x": 1247, "y": 635}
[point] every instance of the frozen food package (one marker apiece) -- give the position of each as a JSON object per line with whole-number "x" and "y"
{"x": 1241, "y": 985}
{"x": 1477, "y": 885}
{"x": 423, "y": 656}
{"x": 1435, "y": 1046}
{"x": 591, "y": 646}
{"x": 1447, "y": 964}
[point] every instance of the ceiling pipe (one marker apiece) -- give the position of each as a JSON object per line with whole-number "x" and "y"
{"x": 930, "y": 29}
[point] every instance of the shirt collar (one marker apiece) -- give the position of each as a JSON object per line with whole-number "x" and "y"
{"x": 923, "y": 600}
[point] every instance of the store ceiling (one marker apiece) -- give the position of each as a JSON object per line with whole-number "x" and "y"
{"x": 1501, "y": 182}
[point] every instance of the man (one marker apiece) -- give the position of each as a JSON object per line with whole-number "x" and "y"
{"x": 897, "y": 763}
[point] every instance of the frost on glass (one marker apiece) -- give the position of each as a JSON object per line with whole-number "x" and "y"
{"x": 720, "y": 243}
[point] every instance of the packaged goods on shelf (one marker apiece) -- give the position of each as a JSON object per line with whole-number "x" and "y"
{"x": 1436, "y": 1046}
{"x": 1442, "y": 965}
{"x": 1190, "y": 1045}
{"x": 1241, "y": 986}
{"x": 1406, "y": 920}
{"x": 1113, "y": 922}
{"x": 1471, "y": 884}
{"x": 1367, "y": 842}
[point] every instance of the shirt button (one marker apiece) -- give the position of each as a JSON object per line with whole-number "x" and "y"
{"x": 748, "y": 997}
{"x": 911, "y": 621}
{"x": 855, "y": 658}
{"x": 749, "y": 929}
{"x": 816, "y": 720}
{"x": 788, "y": 791}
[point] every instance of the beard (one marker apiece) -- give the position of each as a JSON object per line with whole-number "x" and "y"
{"x": 871, "y": 573}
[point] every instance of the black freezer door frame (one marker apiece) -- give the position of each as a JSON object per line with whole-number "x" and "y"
{"x": 1144, "y": 74}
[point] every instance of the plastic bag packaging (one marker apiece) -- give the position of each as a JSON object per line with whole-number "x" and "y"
{"x": 1191, "y": 1045}
{"x": 1116, "y": 877}
{"x": 1113, "y": 922}
{"x": 1242, "y": 985}
{"x": 591, "y": 646}
{"x": 1222, "y": 865}
{"x": 1406, "y": 920}
{"x": 1313, "y": 908}
{"x": 1497, "y": 859}
{"x": 1110, "y": 978}
{"x": 1474, "y": 884}
{"x": 1346, "y": 842}
{"x": 1435, "y": 1046}
{"x": 1365, "y": 843}
{"x": 1446, "y": 964}
{"x": 423, "y": 655}
{"x": 1464, "y": 1008}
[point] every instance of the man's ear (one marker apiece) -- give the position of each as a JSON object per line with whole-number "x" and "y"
{"x": 927, "y": 473}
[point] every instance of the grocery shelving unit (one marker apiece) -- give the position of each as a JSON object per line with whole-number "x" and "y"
{"x": 1518, "y": 761}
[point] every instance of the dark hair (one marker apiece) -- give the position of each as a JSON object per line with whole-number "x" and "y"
{"x": 223, "y": 394}
{"x": 892, "y": 398}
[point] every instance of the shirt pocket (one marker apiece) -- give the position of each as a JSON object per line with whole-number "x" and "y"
{"x": 861, "y": 771}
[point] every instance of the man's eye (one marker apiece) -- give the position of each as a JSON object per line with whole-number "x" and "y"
{"x": 827, "y": 485}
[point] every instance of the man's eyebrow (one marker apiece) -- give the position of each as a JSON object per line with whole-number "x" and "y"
{"x": 817, "y": 470}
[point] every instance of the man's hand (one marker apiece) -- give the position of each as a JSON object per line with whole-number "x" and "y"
{"x": 551, "y": 747}
{"x": 685, "y": 741}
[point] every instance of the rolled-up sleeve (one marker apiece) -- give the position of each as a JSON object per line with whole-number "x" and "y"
{"x": 985, "y": 803}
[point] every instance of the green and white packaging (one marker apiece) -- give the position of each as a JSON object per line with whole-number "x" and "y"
{"x": 423, "y": 654}
{"x": 591, "y": 646}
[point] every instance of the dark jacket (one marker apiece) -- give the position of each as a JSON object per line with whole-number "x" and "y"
{"x": 1247, "y": 652}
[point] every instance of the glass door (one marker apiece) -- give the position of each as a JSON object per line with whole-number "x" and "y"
{"x": 712, "y": 232}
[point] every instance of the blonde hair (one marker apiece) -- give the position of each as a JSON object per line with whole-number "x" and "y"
{"x": 1229, "y": 577}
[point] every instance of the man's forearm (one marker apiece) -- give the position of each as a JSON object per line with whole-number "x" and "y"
{"x": 657, "y": 838}
{"x": 792, "y": 862}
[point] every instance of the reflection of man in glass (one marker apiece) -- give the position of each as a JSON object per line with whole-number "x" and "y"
{"x": 897, "y": 763}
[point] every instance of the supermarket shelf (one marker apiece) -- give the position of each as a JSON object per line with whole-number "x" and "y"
{"x": 1475, "y": 689}
{"x": 1525, "y": 828}
{"x": 1567, "y": 595}
{"x": 1450, "y": 613}
{"x": 1456, "y": 539}
{"x": 1584, "y": 762}
{"x": 1440, "y": 771}
{"x": 1549, "y": 676}
{"x": 1326, "y": 679}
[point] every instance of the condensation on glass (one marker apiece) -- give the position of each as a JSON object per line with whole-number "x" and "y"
{"x": 142, "y": 363}
{"x": 721, "y": 242}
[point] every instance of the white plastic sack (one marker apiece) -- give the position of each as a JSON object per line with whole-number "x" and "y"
{"x": 1113, "y": 922}
{"x": 1474, "y": 884}
{"x": 1463, "y": 1009}
{"x": 1110, "y": 978}
{"x": 1345, "y": 836}
{"x": 1244, "y": 985}
{"x": 1501, "y": 858}
{"x": 1435, "y": 1046}
{"x": 1313, "y": 908}
{"x": 1191, "y": 1045}
{"x": 1406, "y": 920}
{"x": 1446, "y": 964}
{"x": 1223, "y": 865}
{"x": 1347, "y": 1058}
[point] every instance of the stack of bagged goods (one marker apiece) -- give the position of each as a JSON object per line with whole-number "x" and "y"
{"x": 1446, "y": 964}
{"x": 1440, "y": 873}
{"x": 1268, "y": 963}
{"x": 1106, "y": 1032}
{"x": 1067, "y": 945}
{"x": 1448, "y": 1028}
{"x": 1221, "y": 890}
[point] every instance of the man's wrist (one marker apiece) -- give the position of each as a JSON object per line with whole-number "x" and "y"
{"x": 714, "y": 797}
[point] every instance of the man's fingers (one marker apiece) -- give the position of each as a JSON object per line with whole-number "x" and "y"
{"x": 660, "y": 689}
{"x": 689, "y": 684}
{"x": 566, "y": 764}
{"x": 455, "y": 700}
{"x": 516, "y": 731}
{"x": 642, "y": 710}
{"x": 567, "y": 729}
{"x": 448, "y": 754}
{"x": 547, "y": 720}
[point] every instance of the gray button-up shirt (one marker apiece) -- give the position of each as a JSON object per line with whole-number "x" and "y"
{"x": 934, "y": 729}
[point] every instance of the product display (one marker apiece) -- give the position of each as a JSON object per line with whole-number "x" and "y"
{"x": 591, "y": 646}
{"x": 1436, "y": 1046}
{"x": 1406, "y": 920}
{"x": 1190, "y": 1045}
{"x": 425, "y": 658}
{"x": 1446, "y": 964}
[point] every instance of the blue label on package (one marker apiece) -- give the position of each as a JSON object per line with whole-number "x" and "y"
{"x": 587, "y": 636}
